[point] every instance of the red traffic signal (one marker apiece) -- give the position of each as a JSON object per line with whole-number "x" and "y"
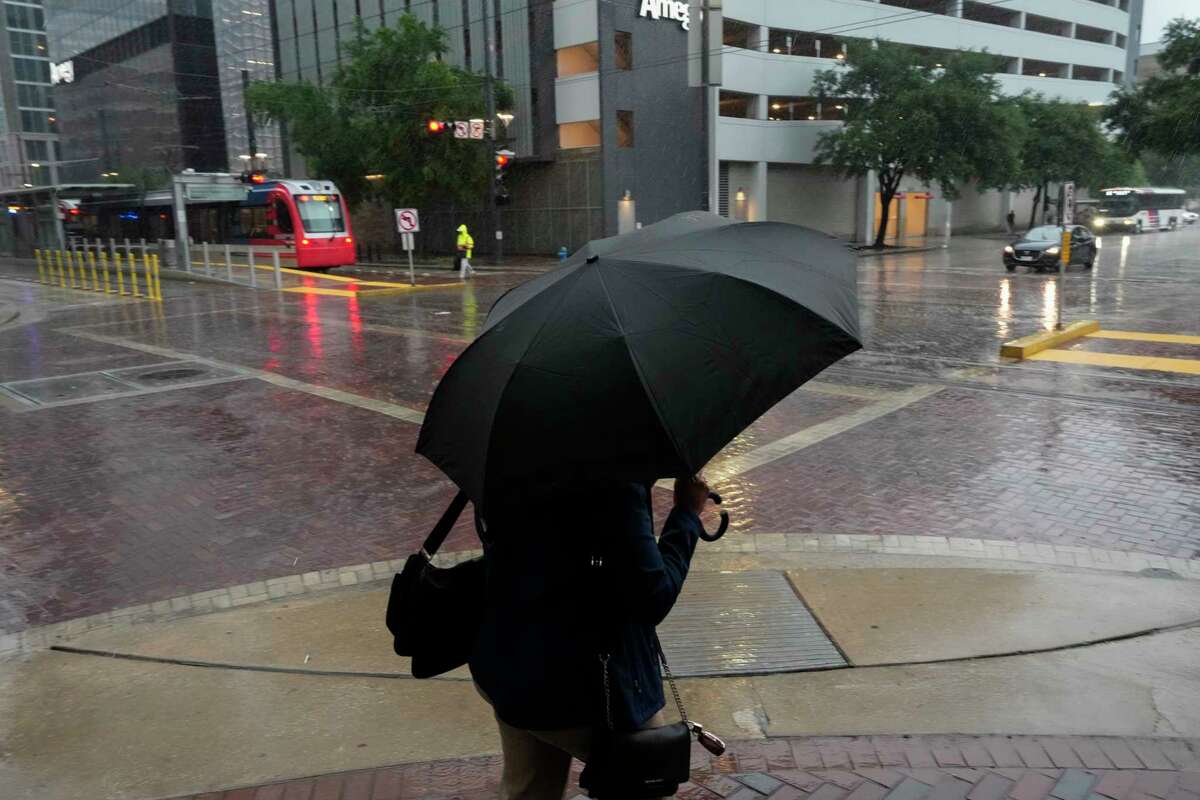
{"x": 436, "y": 126}
{"x": 501, "y": 161}
{"x": 253, "y": 177}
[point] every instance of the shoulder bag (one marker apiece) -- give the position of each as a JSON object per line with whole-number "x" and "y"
{"x": 434, "y": 613}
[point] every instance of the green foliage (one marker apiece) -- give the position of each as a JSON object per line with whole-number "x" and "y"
{"x": 1063, "y": 142}
{"x": 371, "y": 118}
{"x": 1182, "y": 171}
{"x": 1163, "y": 114}
{"x": 940, "y": 122}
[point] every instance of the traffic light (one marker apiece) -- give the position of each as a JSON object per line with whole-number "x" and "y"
{"x": 436, "y": 126}
{"x": 503, "y": 159}
{"x": 255, "y": 177}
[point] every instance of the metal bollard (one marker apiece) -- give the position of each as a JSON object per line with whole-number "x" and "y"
{"x": 128, "y": 251}
{"x": 278, "y": 274}
{"x": 228, "y": 265}
{"x": 207, "y": 263}
{"x": 91, "y": 257}
{"x": 133, "y": 283}
{"x": 250, "y": 260}
{"x": 81, "y": 262}
{"x": 117, "y": 267}
{"x": 104, "y": 271}
{"x": 66, "y": 255}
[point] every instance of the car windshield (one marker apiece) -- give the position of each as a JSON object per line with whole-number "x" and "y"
{"x": 320, "y": 213}
{"x": 1046, "y": 233}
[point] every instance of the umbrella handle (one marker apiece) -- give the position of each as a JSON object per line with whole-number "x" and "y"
{"x": 712, "y": 537}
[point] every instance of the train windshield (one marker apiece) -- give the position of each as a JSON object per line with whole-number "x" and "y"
{"x": 320, "y": 213}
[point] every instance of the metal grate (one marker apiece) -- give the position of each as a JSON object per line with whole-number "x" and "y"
{"x": 89, "y": 387}
{"x": 743, "y": 622}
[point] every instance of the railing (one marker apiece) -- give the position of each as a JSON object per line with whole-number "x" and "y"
{"x": 88, "y": 268}
{"x": 229, "y": 263}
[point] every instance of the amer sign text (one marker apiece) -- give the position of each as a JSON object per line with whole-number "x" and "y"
{"x": 667, "y": 9}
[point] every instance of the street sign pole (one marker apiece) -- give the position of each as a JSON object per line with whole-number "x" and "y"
{"x": 183, "y": 254}
{"x": 1066, "y": 218}
{"x": 408, "y": 222}
{"x": 492, "y": 214}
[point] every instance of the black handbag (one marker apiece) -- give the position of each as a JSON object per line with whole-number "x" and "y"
{"x": 434, "y": 613}
{"x": 643, "y": 764}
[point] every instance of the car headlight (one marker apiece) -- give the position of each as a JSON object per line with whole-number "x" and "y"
{"x": 1008, "y": 249}
{"x": 1053, "y": 251}
{"x": 1099, "y": 222}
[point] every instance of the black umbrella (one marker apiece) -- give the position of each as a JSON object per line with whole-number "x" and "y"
{"x": 642, "y": 356}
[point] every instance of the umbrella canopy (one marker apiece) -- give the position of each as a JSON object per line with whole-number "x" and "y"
{"x": 642, "y": 356}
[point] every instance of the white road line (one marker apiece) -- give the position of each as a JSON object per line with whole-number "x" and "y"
{"x": 337, "y": 395}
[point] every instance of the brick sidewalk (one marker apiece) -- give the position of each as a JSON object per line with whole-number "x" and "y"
{"x": 833, "y": 768}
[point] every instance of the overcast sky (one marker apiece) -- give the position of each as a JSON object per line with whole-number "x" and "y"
{"x": 1159, "y": 12}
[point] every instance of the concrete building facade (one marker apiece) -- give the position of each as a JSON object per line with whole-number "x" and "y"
{"x": 29, "y": 125}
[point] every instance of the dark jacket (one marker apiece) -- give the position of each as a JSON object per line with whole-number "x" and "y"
{"x": 551, "y": 609}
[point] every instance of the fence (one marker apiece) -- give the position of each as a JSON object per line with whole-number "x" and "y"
{"x": 92, "y": 269}
{"x": 228, "y": 263}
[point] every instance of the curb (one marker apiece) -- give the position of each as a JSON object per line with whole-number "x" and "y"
{"x": 765, "y": 544}
{"x": 900, "y": 251}
{"x": 1027, "y": 346}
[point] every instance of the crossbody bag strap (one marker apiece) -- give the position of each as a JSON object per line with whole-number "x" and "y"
{"x": 671, "y": 681}
{"x": 440, "y": 531}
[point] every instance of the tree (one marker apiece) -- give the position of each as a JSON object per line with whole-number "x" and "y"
{"x": 1163, "y": 114}
{"x": 1181, "y": 170}
{"x": 371, "y": 118}
{"x": 1063, "y": 142}
{"x": 908, "y": 116}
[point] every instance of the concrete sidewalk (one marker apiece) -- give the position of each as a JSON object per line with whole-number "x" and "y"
{"x": 307, "y": 686}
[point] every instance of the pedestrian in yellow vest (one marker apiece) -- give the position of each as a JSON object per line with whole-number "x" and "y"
{"x": 464, "y": 246}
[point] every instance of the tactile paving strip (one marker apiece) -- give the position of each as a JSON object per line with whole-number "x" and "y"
{"x": 733, "y": 623}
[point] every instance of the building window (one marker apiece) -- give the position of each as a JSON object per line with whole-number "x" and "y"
{"x": 27, "y": 69}
{"x": 38, "y": 122}
{"x": 578, "y": 60}
{"x": 579, "y": 134}
{"x": 623, "y": 50}
{"x": 739, "y": 34}
{"x": 32, "y": 95}
{"x": 624, "y": 129}
{"x": 27, "y": 44}
{"x": 25, "y": 17}
{"x": 736, "y": 104}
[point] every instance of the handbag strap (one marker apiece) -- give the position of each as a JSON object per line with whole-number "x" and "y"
{"x": 440, "y": 531}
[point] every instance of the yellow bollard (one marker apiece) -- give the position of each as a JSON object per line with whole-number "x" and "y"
{"x": 117, "y": 267}
{"x": 37, "y": 256}
{"x": 70, "y": 269}
{"x": 133, "y": 284}
{"x": 62, "y": 275}
{"x": 157, "y": 277}
{"x": 81, "y": 262}
{"x": 104, "y": 269}
{"x": 91, "y": 257}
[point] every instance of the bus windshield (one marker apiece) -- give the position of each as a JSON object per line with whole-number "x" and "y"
{"x": 1119, "y": 205}
{"x": 320, "y": 213}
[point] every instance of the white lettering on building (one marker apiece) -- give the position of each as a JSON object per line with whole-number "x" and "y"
{"x": 667, "y": 9}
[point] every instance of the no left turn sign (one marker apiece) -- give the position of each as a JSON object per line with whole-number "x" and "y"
{"x": 407, "y": 220}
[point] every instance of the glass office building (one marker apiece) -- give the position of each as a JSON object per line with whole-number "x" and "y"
{"x": 29, "y": 126}
{"x": 157, "y": 84}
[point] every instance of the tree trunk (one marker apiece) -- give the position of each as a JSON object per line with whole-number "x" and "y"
{"x": 1045, "y": 200}
{"x": 885, "y": 205}
{"x": 1037, "y": 196}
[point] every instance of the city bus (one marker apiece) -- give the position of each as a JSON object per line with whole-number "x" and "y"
{"x": 1138, "y": 209}
{"x": 306, "y": 220}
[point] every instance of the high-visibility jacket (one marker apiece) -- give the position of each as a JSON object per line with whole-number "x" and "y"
{"x": 465, "y": 243}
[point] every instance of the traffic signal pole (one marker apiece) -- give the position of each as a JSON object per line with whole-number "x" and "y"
{"x": 489, "y": 132}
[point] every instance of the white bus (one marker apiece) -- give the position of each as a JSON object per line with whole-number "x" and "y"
{"x": 1139, "y": 209}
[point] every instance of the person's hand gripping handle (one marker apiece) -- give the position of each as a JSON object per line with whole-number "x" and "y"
{"x": 692, "y": 494}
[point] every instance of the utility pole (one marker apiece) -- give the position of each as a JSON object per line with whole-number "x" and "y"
{"x": 251, "y": 140}
{"x": 489, "y": 132}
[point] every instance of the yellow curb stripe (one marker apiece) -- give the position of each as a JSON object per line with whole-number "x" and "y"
{"x": 1026, "y": 346}
{"x": 320, "y": 290}
{"x": 1187, "y": 366}
{"x": 1137, "y": 336}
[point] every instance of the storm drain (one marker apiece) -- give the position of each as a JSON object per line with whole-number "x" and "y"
{"x": 92, "y": 386}
{"x": 743, "y": 622}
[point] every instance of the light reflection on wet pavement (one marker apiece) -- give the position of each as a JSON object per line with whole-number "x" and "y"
{"x": 136, "y": 499}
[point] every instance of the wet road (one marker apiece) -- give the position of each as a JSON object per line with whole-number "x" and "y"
{"x": 286, "y": 445}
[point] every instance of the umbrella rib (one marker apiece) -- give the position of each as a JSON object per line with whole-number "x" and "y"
{"x": 637, "y": 366}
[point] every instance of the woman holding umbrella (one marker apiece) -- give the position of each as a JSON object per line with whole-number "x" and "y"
{"x": 641, "y": 357}
{"x": 538, "y": 656}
